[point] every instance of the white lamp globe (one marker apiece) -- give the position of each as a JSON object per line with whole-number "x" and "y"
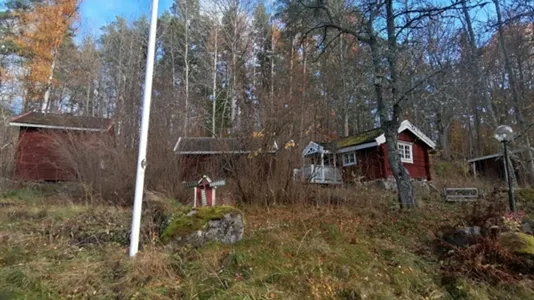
{"x": 504, "y": 133}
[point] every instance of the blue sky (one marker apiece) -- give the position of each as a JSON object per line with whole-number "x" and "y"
{"x": 96, "y": 13}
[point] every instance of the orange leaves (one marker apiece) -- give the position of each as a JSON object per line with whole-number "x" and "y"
{"x": 43, "y": 30}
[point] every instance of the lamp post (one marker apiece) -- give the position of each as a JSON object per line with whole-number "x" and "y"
{"x": 505, "y": 134}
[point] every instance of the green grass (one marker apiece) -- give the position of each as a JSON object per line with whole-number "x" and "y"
{"x": 288, "y": 252}
{"x": 25, "y": 195}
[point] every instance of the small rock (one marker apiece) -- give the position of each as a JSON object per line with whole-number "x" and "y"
{"x": 387, "y": 184}
{"x": 344, "y": 272}
{"x": 462, "y": 237}
{"x": 527, "y": 227}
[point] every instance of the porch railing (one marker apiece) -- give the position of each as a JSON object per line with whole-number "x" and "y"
{"x": 318, "y": 174}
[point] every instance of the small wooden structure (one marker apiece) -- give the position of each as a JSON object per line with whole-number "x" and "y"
{"x": 205, "y": 190}
{"x": 39, "y": 157}
{"x": 200, "y": 155}
{"x": 460, "y": 194}
{"x": 365, "y": 155}
{"x": 493, "y": 166}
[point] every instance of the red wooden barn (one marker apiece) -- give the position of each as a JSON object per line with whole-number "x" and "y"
{"x": 364, "y": 157}
{"x": 38, "y": 156}
{"x": 218, "y": 156}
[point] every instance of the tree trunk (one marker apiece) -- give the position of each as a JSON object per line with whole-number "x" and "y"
{"x": 515, "y": 96}
{"x": 344, "y": 96}
{"x": 214, "y": 92}
{"x": 291, "y": 53}
{"x": 88, "y": 100}
{"x": 480, "y": 89}
{"x": 304, "y": 69}
{"x": 271, "y": 86}
{"x": 391, "y": 126}
{"x": 443, "y": 129}
{"x": 46, "y": 97}
{"x": 234, "y": 112}
{"x": 186, "y": 64}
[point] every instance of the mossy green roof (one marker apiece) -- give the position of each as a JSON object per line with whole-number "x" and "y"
{"x": 360, "y": 138}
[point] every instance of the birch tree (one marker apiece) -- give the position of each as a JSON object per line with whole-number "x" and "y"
{"x": 42, "y": 32}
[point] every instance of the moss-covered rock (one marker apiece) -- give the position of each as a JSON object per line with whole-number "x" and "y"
{"x": 199, "y": 225}
{"x": 518, "y": 242}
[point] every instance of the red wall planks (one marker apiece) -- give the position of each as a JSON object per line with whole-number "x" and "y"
{"x": 39, "y": 158}
{"x": 420, "y": 168}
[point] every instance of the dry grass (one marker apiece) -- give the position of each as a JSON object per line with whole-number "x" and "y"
{"x": 362, "y": 247}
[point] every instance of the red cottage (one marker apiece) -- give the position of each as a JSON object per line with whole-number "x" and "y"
{"x": 364, "y": 157}
{"x": 39, "y": 156}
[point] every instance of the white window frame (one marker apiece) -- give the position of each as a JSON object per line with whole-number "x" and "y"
{"x": 349, "y": 159}
{"x": 402, "y": 147}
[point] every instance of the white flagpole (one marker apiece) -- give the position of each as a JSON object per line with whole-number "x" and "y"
{"x": 141, "y": 163}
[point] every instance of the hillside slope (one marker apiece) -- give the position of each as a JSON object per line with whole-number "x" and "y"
{"x": 363, "y": 250}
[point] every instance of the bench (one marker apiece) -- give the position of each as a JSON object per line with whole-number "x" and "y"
{"x": 460, "y": 194}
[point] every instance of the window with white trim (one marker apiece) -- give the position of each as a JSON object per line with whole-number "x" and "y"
{"x": 405, "y": 152}
{"x": 349, "y": 159}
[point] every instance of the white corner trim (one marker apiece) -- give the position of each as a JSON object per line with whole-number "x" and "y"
{"x": 381, "y": 139}
{"x": 418, "y": 133}
{"x": 406, "y": 125}
{"x": 310, "y": 145}
{"x": 205, "y": 177}
{"x": 177, "y": 143}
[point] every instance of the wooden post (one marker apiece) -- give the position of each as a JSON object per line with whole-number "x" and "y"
{"x": 474, "y": 167}
{"x": 504, "y": 162}
{"x": 322, "y": 166}
{"x": 195, "y": 203}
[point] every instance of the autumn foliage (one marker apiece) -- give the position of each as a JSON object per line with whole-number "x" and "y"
{"x": 42, "y": 31}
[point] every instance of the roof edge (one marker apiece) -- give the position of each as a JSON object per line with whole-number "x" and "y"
{"x": 176, "y": 151}
{"x": 407, "y": 125}
{"x": 16, "y": 124}
{"x": 13, "y": 119}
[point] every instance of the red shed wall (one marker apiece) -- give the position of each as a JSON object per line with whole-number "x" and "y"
{"x": 193, "y": 167}
{"x": 369, "y": 164}
{"x": 420, "y": 169}
{"x": 38, "y": 157}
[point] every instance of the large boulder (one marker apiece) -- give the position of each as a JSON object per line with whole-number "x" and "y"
{"x": 197, "y": 226}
